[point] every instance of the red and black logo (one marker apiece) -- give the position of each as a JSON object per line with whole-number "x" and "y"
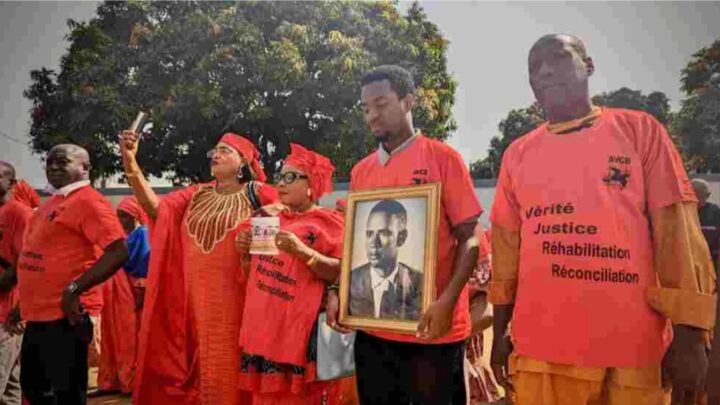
{"x": 618, "y": 171}
{"x": 420, "y": 176}
{"x": 310, "y": 237}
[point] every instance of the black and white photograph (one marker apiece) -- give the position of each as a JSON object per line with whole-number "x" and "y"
{"x": 387, "y": 255}
{"x": 387, "y": 269}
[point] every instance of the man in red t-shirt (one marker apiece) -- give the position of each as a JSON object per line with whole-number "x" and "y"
{"x": 72, "y": 243}
{"x": 426, "y": 368}
{"x": 597, "y": 249}
{"x": 14, "y": 215}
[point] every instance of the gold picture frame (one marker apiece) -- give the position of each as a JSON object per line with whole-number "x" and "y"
{"x": 355, "y": 275}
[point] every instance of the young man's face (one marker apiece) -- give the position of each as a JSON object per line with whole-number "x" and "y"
{"x": 385, "y": 112}
{"x": 382, "y": 240}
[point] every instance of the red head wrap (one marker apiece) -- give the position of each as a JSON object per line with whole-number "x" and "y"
{"x": 247, "y": 150}
{"x": 131, "y": 206}
{"x": 318, "y": 168}
{"x": 23, "y": 193}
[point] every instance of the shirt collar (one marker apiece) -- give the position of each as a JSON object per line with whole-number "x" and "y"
{"x": 67, "y": 190}
{"x": 384, "y": 156}
{"x": 376, "y": 279}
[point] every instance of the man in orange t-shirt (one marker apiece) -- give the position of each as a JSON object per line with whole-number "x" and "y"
{"x": 14, "y": 215}
{"x": 597, "y": 248}
{"x": 72, "y": 243}
{"x": 426, "y": 368}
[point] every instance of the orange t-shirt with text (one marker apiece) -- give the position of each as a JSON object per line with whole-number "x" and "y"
{"x": 64, "y": 238}
{"x": 14, "y": 217}
{"x": 423, "y": 161}
{"x": 581, "y": 203}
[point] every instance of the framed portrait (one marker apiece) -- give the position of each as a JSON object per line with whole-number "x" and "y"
{"x": 387, "y": 278}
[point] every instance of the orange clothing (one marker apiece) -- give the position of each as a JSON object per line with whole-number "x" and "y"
{"x": 215, "y": 295}
{"x": 14, "y": 217}
{"x": 578, "y": 262}
{"x": 119, "y": 330}
{"x": 684, "y": 295}
{"x": 188, "y": 352}
{"x": 64, "y": 238}
{"x": 603, "y": 387}
{"x": 282, "y": 303}
{"x": 23, "y": 193}
{"x": 424, "y": 160}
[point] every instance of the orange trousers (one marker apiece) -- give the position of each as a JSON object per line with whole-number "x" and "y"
{"x": 541, "y": 383}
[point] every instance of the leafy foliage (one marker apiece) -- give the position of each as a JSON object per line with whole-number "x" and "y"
{"x": 521, "y": 121}
{"x": 697, "y": 124}
{"x": 279, "y": 72}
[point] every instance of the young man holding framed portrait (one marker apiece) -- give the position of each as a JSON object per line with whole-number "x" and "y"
{"x": 426, "y": 367}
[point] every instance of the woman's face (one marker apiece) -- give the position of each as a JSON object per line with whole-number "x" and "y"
{"x": 225, "y": 161}
{"x": 127, "y": 221}
{"x": 293, "y": 185}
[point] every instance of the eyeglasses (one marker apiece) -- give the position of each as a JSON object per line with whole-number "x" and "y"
{"x": 289, "y": 177}
{"x": 222, "y": 150}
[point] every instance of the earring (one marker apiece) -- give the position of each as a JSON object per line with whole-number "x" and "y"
{"x": 309, "y": 193}
{"x": 240, "y": 174}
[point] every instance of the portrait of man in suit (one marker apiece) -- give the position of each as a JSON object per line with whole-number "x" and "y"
{"x": 384, "y": 287}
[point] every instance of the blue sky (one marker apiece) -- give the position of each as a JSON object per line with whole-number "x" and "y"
{"x": 641, "y": 45}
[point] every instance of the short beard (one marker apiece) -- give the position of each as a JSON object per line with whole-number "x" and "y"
{"x": 383, "y": 137}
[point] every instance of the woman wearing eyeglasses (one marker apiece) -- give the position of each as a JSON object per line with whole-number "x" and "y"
{"x": 188, "y": 353}
{"x": 284, "y": 292}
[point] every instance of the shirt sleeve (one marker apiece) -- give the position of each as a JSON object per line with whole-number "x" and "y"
{"x": 335, "y": 246}
{"x": 506, "y": 210}
{"x": 684, "y": 268}
{"x": 666, "y": 181}
{"x": 505, "y": 269}
{"x": 21, "y": 218}
{"x": 458, "y": 191}
{"x": 99, "y": 223}
{"x": 334, "y": 236}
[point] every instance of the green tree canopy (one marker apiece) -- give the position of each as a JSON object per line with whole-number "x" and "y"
{"x": 279, "y": 72}
{"x": 521, "y": 121}
{"x": 697, "y": 124}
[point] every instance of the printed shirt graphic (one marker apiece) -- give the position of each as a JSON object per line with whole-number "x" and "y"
{"x": 429, "y": 161}
{"x": 581, "y": 202}
{"x": 14, "y": 217}
{"x": 64, "y": 238}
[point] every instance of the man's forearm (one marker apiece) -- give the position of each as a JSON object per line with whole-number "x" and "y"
{"x": 502, "y": 314}
{"x": 466, "y": 254}
{"x": 115, "y": 255}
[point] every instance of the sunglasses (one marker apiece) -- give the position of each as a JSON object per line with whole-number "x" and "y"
{"x": 289, "y": 177}
{"x": 222, "y": 150}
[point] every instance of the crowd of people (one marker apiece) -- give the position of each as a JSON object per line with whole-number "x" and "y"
{"x": 599, "y": 266}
